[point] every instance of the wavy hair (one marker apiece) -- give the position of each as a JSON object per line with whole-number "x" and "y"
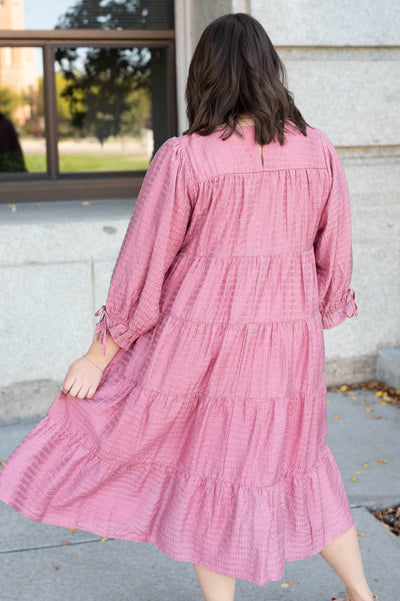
{"x": 235, "y": 71}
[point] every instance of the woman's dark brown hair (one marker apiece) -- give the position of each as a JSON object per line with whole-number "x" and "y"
{"x": 236, "y": 71}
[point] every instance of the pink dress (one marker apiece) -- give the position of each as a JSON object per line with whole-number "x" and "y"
{"x": 206, "y": 434}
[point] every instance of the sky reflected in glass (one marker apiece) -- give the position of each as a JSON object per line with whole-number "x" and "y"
{"x": 42, "y": 14}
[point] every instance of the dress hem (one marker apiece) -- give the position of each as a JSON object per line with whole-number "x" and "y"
{"x": 51, "y": 505}
{"x": 64, "y": 523}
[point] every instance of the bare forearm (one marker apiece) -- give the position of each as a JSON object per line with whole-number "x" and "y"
{"x": 95, "y": 351}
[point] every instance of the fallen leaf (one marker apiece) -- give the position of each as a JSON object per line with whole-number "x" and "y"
{"x": 383, "y": 402}
{"x": 38, "y": 204}
{"x": 366, "y": 400}
{"x": 366, "y": 465}
{"x": 13, "y": 207}
{"x": 376, "y": 416}
{"x": 329, "y": 401}
{"x": 56, "y": 568}
{"x": 336, "y": 416}
{"x": 2, "y": 462}
{"x": 65, "y": 542}
{"x": 85, "y": 203}
{"x": 361, "y": 533}
{"x": 103, "y": 539}
{"x": 356, "y": 402}
{"x": 382, "y": 460}
{"x": 72, "y": 529}
{"x": 353, "y": 479}
{"x": 379, "y": 393}
{"x": 286, "y": 584}
{"x": 358, "y": 472}
{"x": 342, "y": 388}
{"x": 369, "y": 409}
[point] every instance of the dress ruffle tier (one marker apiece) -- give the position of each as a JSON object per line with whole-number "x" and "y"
{"x": 207, "y": 433}
{"x": 244, "y": 526}
{"x": 236, "y": 482}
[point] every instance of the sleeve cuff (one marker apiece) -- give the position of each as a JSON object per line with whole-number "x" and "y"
{"x": 346, "y": 308}
{"x": 119, "y": 332}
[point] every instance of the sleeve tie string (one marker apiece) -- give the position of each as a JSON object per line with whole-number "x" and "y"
{"x": 101, "y": 326}
{"x": 351, "y": 307}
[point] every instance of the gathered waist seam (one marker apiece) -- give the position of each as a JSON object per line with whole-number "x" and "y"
{"x": 296, "y": 252}
{"x": 305, "y": 319}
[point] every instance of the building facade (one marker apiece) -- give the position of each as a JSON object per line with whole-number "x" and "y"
{"x": 342, "y": 62}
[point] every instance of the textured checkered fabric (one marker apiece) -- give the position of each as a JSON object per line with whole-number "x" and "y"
{"x": 206, "y": 435}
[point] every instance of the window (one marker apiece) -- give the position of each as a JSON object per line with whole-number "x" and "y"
{"x": 83, "y": 106}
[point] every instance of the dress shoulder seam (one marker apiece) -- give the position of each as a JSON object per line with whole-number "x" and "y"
{"x": 185, "y": 158}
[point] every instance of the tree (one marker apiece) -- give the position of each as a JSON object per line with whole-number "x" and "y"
{"x": 112, "y": 14}
{"x": 9, "y": 101}
{"x": 100, "y": 83}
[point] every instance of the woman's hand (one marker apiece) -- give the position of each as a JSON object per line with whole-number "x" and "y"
{"x": 82, "y": 379}
{"x": 83, "y": 376}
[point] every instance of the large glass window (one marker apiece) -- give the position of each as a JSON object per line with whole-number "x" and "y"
{"x": 22, "y": 126}
{"x": 87, "y": 91}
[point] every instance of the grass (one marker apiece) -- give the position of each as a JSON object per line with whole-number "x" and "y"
{"x": 36, "y": 163}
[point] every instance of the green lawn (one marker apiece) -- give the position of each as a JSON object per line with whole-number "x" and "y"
{"x": 37, "y": 163}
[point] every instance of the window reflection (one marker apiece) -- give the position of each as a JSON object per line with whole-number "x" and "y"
{"x": 115, "y": 105}
{"x": 21, "y": 105}
{"x": 11, "y": 155}
{"x": 98, "y": 14}
{"x": 104, "y": 108}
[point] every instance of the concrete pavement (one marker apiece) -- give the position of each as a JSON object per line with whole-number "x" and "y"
{"x": 35, "y": 565}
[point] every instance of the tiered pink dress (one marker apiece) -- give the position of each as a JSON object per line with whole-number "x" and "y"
{"x": 206, "y": 434}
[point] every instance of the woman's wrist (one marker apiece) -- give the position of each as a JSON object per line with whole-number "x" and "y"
{"x": 93, "y": 362}
{"x": 95, "y": 352}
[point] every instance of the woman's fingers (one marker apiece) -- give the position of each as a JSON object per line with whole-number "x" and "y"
{"x": 81, "y": 380}
{"x": 67, "y": 384}
{"x": 85, "y": 393}
{"x": 76, "y": 387}
{"x": 69, "y": 380}
{"x": 91, "y": 391}
{"x": 82, "y": 392}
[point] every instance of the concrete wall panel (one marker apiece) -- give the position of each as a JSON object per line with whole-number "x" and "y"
{"x": 352, "y": 96}
{"x": 46, "y": 319}
{"x": 324, "y": 23}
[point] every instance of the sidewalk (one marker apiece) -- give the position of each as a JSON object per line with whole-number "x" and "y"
{"x": 35, "y": 565}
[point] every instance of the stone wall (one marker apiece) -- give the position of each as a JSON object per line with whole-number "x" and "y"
{"x": 56, "y": 260}
{"x": 342, "y": 62}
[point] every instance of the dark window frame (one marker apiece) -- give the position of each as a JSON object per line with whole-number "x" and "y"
{"x": 83, "y": 185}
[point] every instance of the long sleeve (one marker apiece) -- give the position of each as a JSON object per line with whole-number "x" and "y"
{"x": 333, "y": 250}
{"x": 154, "y": 235}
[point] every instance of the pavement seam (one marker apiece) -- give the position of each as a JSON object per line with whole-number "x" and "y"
{"x": 38, "y": 548}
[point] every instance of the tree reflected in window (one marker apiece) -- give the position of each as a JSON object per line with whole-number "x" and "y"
{"x": 107, "y": 89}
{"x": 117, "y": 14}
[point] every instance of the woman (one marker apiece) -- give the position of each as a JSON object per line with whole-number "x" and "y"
{"x": 198, "y": 419}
